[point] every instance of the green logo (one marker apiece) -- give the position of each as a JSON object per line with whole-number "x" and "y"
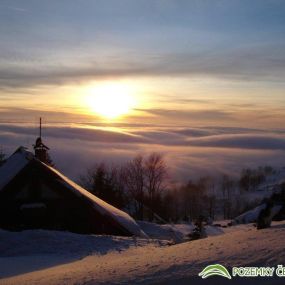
{"x": 215, "y": 269}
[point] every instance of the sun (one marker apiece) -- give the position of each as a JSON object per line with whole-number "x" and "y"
{"x": 110, "y": 100}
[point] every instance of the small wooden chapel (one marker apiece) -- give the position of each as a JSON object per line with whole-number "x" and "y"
{"x": 35, "y": 195}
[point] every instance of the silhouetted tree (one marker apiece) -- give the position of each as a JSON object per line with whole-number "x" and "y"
{"x": 145, "y": 178}
{"x": 140, "y": 185}
{"x": 211, "y": 197}
{"x": 155, "y": 173}
{"x": 244, "y": 181}
{"x": 168, "y": 208}
{"x": 105, "y": 183}
{"x": 227, "y": 185}
{"x": 2, "y": 156}
{"x": 134, "y": 175}
{"x": 193, "y": 200}
{"x": 210, "y": 201}
{"x": 250, "y": 179}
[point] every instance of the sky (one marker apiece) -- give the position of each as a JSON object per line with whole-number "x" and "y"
{"x": 200, "y": 81}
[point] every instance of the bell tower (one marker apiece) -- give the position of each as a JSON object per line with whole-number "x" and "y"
{"x": 41, "y": 150}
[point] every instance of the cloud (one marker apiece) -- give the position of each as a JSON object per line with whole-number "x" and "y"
{"x": 261, "y": 62}
{"x": 202, "y": 137}
{"x": 244, "y": 141}
{"x": 71, "y": 133}
{"x": 189, "y": 152}
{"x": 216, "y": 130}
{"x": 203, "y": 114}
{"x": 60, "y": 42}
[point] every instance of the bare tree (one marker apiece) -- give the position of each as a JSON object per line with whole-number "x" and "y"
{"x": 135, "y": 182}
{"x": 227, "y": 185}
{"x": 208, "y": 188}
{"x": 144, "y": 180}
{"x": 155, "y": 172}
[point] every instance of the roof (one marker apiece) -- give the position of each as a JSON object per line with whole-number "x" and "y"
{"x": 101, "y": 206}
{"x": 13, "y": 165}
{"x": 17, "y": 161}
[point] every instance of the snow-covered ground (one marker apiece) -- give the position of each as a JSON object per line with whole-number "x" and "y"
{"x": 176, "y": 232}
{"x": 48, "y": 257}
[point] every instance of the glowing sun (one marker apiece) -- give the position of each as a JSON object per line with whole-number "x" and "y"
{"x": 110, "y": 100}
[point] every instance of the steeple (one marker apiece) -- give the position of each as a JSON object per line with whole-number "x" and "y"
{"x": 41, "y": 150}
{"x": 40, "y": 127}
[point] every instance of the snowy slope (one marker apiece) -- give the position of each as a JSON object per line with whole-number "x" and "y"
{"x": 36, "y": 249}
{"x": 167, "y": 232}
{"x": 129, "y": 261}
{"x": 175, "y": 232}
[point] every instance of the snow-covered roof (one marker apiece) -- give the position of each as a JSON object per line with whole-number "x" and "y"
{"x": 101, "y": 206}
{"x": 16, "y": 162}
{"x": 252, "y": 215}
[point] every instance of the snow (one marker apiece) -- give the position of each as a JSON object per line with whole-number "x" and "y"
{"x": 41, "y": 248}
{"x": 49, "y": 257}
{"x": 167, "y": 232}
{"x": 213, "y": 231}
{"x": 14, "y": 164}
{"x": 174, "y": 232}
